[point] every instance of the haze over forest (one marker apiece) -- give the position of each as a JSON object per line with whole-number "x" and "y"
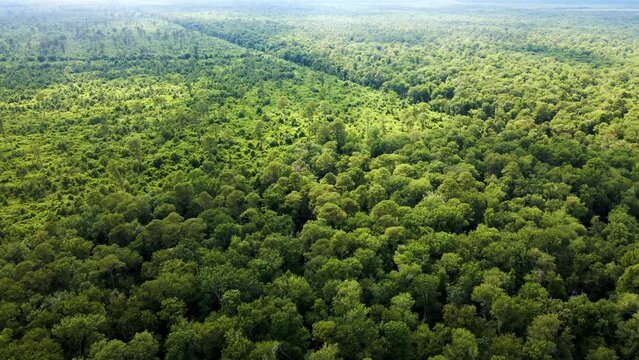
{"x": 595, "y": 4}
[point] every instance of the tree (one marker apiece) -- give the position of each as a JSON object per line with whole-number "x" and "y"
{"x": 399, "y": 339}
{"x": 266, "y": 350}
{"x": 544, "y": 337}
{"x": 183, "y": 197}
{"x": 210, "y": 144}
{"x": 182, "y": 342}
{"x": 463, "y": 345}
{"x": 238, "y": 346}
{"x": 327, "y": 352}
{"x": 78, "y": 332}
{"x": 356, "y": 335}
{"x": 339, "y": 130}
{"x": 215, "y": 281}
{"x": 36, "y": 344}
{"x": 109, "y": 350}
{"x": 602, "y": 353}
{"x": 143, "y": 346}
{"x": 506, "y": 346}
{"x": 332, "y": 213}
{"x": 425, "y": 290}
{"x": 2, "y": 129}
{"x": 629, "y": 280}
{"x": 628, "y": 334}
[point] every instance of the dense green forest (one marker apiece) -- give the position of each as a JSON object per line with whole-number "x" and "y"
{"x": 264, "y": 181}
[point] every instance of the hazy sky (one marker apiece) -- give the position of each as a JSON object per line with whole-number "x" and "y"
{"x": 333, "y": 3}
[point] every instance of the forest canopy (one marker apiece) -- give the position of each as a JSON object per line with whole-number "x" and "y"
{"x": 276, "y": 180}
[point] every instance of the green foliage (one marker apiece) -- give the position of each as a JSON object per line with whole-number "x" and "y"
{"x": 318, "y": 184}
